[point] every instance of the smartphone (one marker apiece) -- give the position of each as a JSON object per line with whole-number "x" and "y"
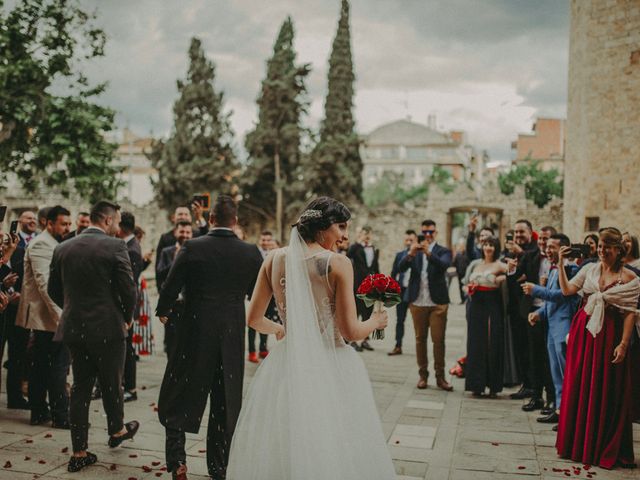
{"x": 3, "y": 212}
{"x": 13, "y": 229}
{"x": 420, "y": 238}
{"x": 578, "y": 250}
{"x": 202, "y": 199}
{"x": 509, "y": 237}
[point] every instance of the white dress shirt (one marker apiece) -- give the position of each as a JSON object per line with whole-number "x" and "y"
{"x": 424, "y": 297}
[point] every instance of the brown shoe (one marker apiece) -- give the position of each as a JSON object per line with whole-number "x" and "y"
{"x": 444, "y": 385}
{"x": 395, "y": 351}
{"x": 422, "y": 384}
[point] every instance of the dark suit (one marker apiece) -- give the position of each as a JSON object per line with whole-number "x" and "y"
{"x": 538, "y": 370}
{"x": 402, "y": 307}
{"x": 167, "y": 257}
{"x": 432, "y": 317}
{"x": 91, "y": 280}
{"x": 216, "y": 272}
{"x": 358, "y": 258}
{"x": 137, "y": 266}
{"x": 16, "y": 337}
{"x": 168, "y": 239}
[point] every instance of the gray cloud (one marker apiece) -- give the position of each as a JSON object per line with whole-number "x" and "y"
{"x": 449, "y": 46}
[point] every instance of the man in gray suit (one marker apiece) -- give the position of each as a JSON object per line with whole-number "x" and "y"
{"x": 91, "y": 280}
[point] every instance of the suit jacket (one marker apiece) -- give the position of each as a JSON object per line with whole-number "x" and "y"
{"x": 529, "y": 267}
{"x": 215, "y": 272}
{"x": 168, "y": 239}
{"x": 166, "y": 258}
{"x": 92, "y": 281}
{"x": 37, "y": 311}
{"x": 135, "y": 256}
{"x": 359, "y": 260}
{"x": 557, "y": 310}
{"x": 439, "y": 261}
{"x": 396, "y": 274}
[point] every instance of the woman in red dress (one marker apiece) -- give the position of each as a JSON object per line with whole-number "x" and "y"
{"x": 595, "y": 418}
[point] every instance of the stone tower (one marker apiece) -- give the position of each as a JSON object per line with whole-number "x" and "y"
{"x": 602, "y": 167}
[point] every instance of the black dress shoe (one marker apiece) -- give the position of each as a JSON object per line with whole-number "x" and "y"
{"x": 39, "y": 418}
{"x": 551, "y": 418}
{"x": 534, "y": 404}
{"x": 366, "y": 346}
{"x": 549, "y": 408}
{"x": 555, "y": 428}
{"x": 78, "y": 463}
{"x": 132, "y": 429}
{"x": 521, "y": 394}
{"x": 96, "y": 394}
{"x": 61, "y": 424}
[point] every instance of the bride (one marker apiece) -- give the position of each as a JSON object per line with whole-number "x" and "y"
{"x": 309, "y": 412}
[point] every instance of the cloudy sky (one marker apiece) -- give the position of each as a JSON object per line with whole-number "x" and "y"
{"x": 485, "y": 66}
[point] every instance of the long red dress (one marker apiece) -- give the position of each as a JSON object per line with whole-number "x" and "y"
{"x": 595, "y": 425}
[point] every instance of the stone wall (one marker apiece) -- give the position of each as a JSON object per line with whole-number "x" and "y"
{"x": 603, "y": 123}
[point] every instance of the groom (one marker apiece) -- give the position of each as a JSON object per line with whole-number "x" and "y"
{"x": 216, "y": 271}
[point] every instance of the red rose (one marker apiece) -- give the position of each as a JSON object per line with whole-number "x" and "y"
{"x": 380, "y": 285}
{"x": 136, "y": 338}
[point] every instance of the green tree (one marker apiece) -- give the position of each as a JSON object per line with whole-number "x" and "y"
{"x": 539, "y": 186}
{"x": 270, "y": 183}
{"x": 392, "y": 188}
{"x": 51, "y": 132}
{"x": 335, "y": 167}
{"x": 198, "y": 156}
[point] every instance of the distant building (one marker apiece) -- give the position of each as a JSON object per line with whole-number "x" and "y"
{"x": 413, "y": 150}
{"x": 545, "y": 144}
{"x": 138, "y": 170}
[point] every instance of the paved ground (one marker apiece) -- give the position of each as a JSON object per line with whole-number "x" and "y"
{"x": 431, "y": 434}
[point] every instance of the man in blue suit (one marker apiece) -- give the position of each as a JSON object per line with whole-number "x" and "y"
{"x": 402, "y": 278}
{"x": 428, "y": 299}
{"x": 558, "y": 311}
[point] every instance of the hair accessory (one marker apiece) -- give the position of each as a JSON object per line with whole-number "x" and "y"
{"x": 310, "y": 215}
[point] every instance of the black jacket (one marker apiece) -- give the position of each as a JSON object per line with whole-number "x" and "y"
{"x": 135, "y": 255}
{"x": 359, "y": 260}
{"x": 529, "y": 268}
{"x": 91, "y": 280}
{"x": 439, "y": 261}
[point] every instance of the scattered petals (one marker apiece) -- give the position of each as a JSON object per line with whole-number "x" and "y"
{"x": 7, "y": 464}
{"x": 27, "y": 459}
{"x": 41, "y": 462}
{"x": 65, "y": 450}
{"x": 158, "y": 474}
{"x": 146, "y": 468}
{"x": 495, "y": 444}
{"x": 521, "y": 467}
{"x": 155, "y": 409}
{"x": 28, "y": 440}
{"x": 113, "y": 467}
{"x": 133, "y": 455}
{"x": 155, "y": 464}
{"x": 201, "y": 451}
{"x": 48, "y": 435}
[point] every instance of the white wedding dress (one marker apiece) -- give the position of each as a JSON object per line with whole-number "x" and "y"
{"x": 309, "y": 413}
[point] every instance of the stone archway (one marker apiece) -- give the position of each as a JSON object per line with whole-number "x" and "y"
{"x": 458, "y": 218}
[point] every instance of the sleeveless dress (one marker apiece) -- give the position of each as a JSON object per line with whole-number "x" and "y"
{"x": 309, "y": 417}
{"x": 485, "y": 335}
{"x": 595, "y": 415}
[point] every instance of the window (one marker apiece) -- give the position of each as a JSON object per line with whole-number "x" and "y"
{"x": 592, "y": 224}
{"x": 388, "y": 152}
{"x": 417, "y": 153}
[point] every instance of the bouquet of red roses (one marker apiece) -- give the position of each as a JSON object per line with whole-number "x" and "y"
{"x": 379, "y": 290}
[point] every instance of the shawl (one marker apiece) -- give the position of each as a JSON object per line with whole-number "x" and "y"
{"x": 623, "y": 296}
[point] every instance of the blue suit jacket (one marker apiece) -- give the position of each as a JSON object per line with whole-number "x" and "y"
{"x": 439, "y": 261}
{"x": 396, "y": 274}
{"x": 557, "y": 310}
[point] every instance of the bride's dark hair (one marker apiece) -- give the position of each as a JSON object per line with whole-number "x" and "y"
{"x": 319, "y": 215}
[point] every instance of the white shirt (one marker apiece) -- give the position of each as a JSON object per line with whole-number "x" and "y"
{"x": 545, "y": 268}
{"x": 128, "y": 238}
{"x": 424, "y": 297}
{"x": 369, "y": 254}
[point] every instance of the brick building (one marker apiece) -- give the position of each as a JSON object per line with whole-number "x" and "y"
{"x": 602, "y": 168}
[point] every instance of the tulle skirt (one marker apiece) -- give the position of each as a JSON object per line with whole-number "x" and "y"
{"x": 339, "y": 438}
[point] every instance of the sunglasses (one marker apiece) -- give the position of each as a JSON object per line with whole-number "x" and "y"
{"x": 428, "y": 232}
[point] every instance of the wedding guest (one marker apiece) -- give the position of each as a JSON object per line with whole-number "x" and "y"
{"x": 632, "y": 256}
{"x": 126, "y": 233}
{"x": 595, "y": 425}
{"x": 28, "y": 228}
{"x": 216, "y": 271}
{"x": 82, "y": 223}
{"x": 39, "y": 313}
{"x": 364, "y": 257}
{"x": 557, "y": 310}
{"x": 428, "y": 300}
{"x": 265, "y": 244}
{"x": 42, "y": 218}
{"x": 592, "y": 241}
{"x": 473, "y": 245}
{"x": 484, "y": 366}
{"x": 16, "y": 338}
{"x": 91, "y": 280}
{"x": 182, "y": 232}
{"x": 410, "y": 237}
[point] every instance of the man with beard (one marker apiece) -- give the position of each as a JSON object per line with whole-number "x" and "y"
{"x": 182, "y": 232}
{"x": 82, "y": 222}
{"x": 39, "y": 313}
{"x": 216, "y": 272}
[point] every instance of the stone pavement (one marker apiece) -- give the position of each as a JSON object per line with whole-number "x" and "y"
{"x": 431, "y": 434}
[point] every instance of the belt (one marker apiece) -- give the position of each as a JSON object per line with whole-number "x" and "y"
{"x": 480, "y": 288}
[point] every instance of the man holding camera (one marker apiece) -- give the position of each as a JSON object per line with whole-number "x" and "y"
{"x": 557, "y": 311}
{"x": 428, "y": 299}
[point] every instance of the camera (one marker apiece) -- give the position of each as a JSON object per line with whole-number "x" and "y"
{"x": 578, "y": 250}
{"x": 203, "y": 200}
{"x": 421, "y": 238}
{"x": 509, "y": 237}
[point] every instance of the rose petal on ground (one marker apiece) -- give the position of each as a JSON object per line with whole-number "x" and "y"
{"x": 155, "y": 464}
{"x": 7, "y": 464}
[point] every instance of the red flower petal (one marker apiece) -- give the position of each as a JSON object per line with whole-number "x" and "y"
{"x": 113, "y": 467}
{"x": 146, "y": 468}
{"x": 133, "y": 455}
{"x": 7, "y": 464}
{"x": 28, "y": 441}
{"x": 41, "y": 462}
{"x": 155, "y": 464}
{"x": 65, "y": 450}
{"x": 158, "y": 474}
{"x": 48, "y": 435}
{"x": 521, "y": 467}
{"x": 201, "y": 451}
{"x": 27, "y": 458}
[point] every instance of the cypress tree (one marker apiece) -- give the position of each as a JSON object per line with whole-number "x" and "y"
{"x": 335, "y": 164}
{"x": 198, "y": 156}
{"x": 269, "y": 182}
